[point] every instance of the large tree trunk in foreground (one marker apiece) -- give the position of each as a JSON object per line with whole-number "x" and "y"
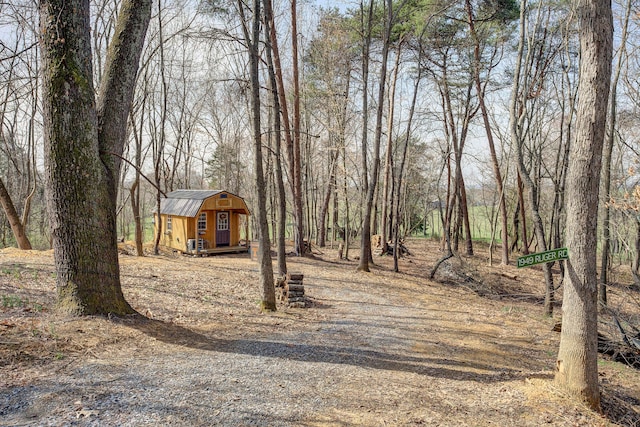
{"x": 577, "y": 368}
{"x": 81, "y": 176}
{"x": 87, "y": 277}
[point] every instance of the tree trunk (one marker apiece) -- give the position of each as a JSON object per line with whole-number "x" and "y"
{"x": 268, "y": 302}
{"x": 135, "y": 208}
{"x": 324, "y": 210}
{"x": 517, "y": 216}
{"x": 365, "y": 241}
{"x": 347, "y": 217}
{"x": 72, "y": 168}
{"x": 81, "y": 173}
{"x": 487, "y": 127}
{"x": 159, "y": 152}
{"x": 135, "y": 189}
{"x": 282, "y": 98}
{"x": 566, "y": 127}
{"x": 398, "y": 187}
{"x": 523, "y": 216}
{"x": 365, "y": 247}
{"x": 606, "y": 163}
{"x": 282, "y": 199}
{"x": 17, "y": 225}
{"x": 335, "y": 216}
{"x": 464, "y": 212}
{"x": 117, "y": 89}
{"x": 635, "y": 266}
{"x": 387, "y": 198}
{"x": 455, "y": 185}
{"x": 517, "y": 110}
{"x": 445, "y": 217}
{"x": 577, "y": 367}
{"x": 297, "y": 160}
{"x": 14, "y": 219}
{"x": 341, "y": 149}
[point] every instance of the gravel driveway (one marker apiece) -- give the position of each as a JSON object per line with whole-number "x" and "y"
{"x": 374, "y": 349}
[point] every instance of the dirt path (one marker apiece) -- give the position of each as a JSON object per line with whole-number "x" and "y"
{"x": 374, "y": 349}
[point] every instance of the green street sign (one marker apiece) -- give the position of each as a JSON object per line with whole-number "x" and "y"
{"x": 542, "y": 257}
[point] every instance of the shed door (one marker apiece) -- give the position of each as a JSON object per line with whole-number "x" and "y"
{"x": 223, "y": 235}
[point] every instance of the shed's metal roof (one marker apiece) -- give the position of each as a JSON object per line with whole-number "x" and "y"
{"x": 185, "y": 202}
{"x": 193, "y": 194}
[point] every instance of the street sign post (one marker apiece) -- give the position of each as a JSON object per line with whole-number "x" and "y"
{"x": 543, "y": 257}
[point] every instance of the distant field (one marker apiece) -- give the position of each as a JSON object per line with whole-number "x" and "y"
{"x": 147, "y": 230}
{"x": 479, "y": 218}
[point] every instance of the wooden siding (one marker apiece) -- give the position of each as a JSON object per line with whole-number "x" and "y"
{"x": 218, "y": 203}
{"x": 209, "y": 233}
{"x": 184, "y": 228}
{"x": 176, "y": 238}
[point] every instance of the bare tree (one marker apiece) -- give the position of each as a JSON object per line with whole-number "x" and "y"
{"x": 329, "y": 63}
{"x": 388, "y": 181}
{"x": 528, "y": 72}
{"x": 606, "y": 161}
{"x": 277, "y": 137}
{"x": 296, "y": 156}
{"x": 159, "y": 137}
{"x": 252, "y": 39}
{"x": 480, "y": 92}
{"x": 18, "y": 64}
{"x": 370, "y": 189}
{"x": 366, "y": 24}
{"x": 16, "y": 223}
{"x": 401, "y": 171}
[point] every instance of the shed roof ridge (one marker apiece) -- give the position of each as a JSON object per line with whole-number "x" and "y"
{"x": 192, "y": 194}
{"x": 188, "y": 203}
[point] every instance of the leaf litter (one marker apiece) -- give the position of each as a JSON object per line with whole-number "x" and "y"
{"x": 381, "y": 348}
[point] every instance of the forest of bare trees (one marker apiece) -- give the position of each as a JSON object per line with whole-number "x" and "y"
{"x": 462, "y": 121}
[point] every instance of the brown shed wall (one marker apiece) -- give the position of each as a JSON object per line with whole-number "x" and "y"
{"x": 185, "y": 228}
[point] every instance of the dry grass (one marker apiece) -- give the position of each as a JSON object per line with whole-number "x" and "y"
{"x": 379, "y": 348}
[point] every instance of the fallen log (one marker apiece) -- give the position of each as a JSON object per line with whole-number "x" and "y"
{"x": 440, "y": 261}
{"x": 619, "y": 352}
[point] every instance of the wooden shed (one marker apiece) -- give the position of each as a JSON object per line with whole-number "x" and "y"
{"x": 204, "y": 222}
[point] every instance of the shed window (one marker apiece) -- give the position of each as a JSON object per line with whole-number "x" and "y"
{"x": 169, "y": 224}
{"x": 202, "y": 221}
